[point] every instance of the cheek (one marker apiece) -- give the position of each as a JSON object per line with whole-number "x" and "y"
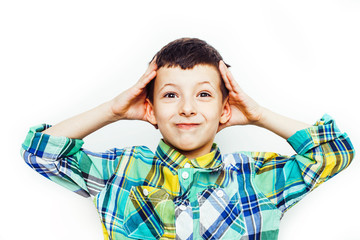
{"x": 164, "y": 113}
{"x": 212, "y": 112}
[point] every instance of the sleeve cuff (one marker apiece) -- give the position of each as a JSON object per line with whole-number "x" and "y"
{"x": 50, "y": 147}
{"x": 322, "y": 131}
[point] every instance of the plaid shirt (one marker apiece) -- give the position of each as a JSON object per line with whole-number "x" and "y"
{"x": 142, "y": 195}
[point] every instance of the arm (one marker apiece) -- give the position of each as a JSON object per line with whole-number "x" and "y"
{"x": 63, "y": 161}
{"x": 128, "y": 105}
{"x": 56, "y": 151}
{"x": 280, "y": 125}
{"x": 244, "y": 110}
{"x": 322, "y": 151}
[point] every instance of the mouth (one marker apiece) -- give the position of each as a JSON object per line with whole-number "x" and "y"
{"x": 187, "y": 126}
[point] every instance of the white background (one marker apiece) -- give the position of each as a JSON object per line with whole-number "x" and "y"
{"x": 60, "y": 58}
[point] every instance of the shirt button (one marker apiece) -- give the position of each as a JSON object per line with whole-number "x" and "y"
{"x": 145, "y": 192}
{"x": 185, "y": 175}
{"x": 187, "y": 165}
{"x": 182, "y": 207}
{"x": 220, "y": 193}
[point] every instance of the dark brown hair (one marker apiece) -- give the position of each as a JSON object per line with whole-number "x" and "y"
{"x": 187, "y": 53}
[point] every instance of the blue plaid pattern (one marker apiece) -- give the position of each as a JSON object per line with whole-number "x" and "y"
{"x": 224, "y": 213}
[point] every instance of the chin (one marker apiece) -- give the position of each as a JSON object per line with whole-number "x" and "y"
{"x": 188, "y": 146}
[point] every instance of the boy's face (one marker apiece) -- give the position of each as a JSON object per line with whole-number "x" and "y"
{"x": 188, "y": 107}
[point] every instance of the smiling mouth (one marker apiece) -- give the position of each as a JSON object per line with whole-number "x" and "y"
{"x": 187, "y": 126}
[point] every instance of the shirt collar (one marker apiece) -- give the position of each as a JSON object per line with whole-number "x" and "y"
{"x": 210, "y": 161}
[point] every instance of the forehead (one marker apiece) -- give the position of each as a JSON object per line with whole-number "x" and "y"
{"x": 189, "y": 77}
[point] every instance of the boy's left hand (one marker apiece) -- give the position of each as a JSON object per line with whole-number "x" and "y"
{"x": 244, "y": 110}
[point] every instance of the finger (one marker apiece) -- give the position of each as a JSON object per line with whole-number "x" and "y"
{"x": 233, "y": 82}
{"x": 230, "y": 78}
{"x": 152, "y": 67}
{"x": 146, "y": 78}
{"x": 154, "y": 60}
{"x": 224, "y": 76}
{"x": 149, "y": 74}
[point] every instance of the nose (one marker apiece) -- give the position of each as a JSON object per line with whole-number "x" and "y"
{"x": 187, "y": 107}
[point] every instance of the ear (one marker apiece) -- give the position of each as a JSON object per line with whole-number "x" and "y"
{"x": 226, "y": 112}
{"x": 149, "y": 113}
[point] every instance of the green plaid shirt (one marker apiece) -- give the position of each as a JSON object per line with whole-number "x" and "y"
{"x": 163, "y": 195}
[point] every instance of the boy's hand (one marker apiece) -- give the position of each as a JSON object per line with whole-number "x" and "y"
{"x": 244, "y": 110}
{"x": 130, "y": 104}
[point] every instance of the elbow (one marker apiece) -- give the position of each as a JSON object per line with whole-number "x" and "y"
{"x": 27, "y": 157}
{"x": 337, "y": 155}
{"x": 350, "y": 156}
{"x": 349, "y": 153}
{"x": 345, "y": 152}
{"x": 24, "y": 154}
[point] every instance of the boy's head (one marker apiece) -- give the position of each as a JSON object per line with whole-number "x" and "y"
{"x": 186, "y": 100}
{"x": 187, "y": 53}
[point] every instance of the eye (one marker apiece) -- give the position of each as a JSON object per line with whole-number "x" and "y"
{"x": 170, "y": 95}
{"x": 204, "y": 94}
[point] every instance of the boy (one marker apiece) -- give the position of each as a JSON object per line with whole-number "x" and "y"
{"x": 187, "y": 189}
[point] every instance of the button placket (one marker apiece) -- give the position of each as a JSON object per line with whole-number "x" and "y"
{"x": 185, "y": 177}
{"x": 187, "y": 165}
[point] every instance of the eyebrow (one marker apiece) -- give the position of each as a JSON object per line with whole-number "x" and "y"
{"x": 174, "y": 85}
{"x": 206, "y": 82}
{"x": 168, "y": 84}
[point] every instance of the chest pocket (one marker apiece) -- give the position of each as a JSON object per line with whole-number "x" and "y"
{"x": 149, "y": 213}
{"x": 220, "y": 215}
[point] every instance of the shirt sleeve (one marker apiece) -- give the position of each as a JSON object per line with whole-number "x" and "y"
{"x": 322, "y": 152}
{"x": 62, "y": 160}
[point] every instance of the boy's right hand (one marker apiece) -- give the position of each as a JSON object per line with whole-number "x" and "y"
{"x": 130, "y": 104}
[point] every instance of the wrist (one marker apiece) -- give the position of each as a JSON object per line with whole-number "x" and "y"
{"x": 260, "y": 120}
{"x": 108, "y": 110}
